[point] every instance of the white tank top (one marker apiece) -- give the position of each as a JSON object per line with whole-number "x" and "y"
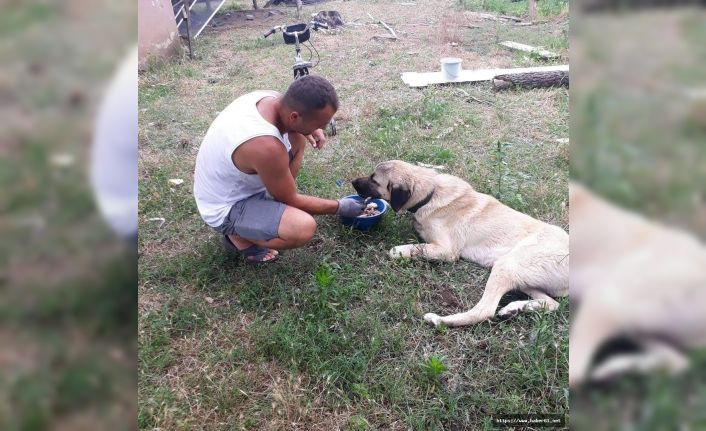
{"x": 218, "y": 183}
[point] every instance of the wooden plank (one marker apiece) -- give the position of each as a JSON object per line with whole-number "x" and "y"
{"x": 511, "y": 18}
{"x": 530, "y": 49}
{"x": 416, "y": 79}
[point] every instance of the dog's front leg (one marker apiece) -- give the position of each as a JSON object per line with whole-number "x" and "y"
{"x": 500, "y": 282}
{"x": 425, "y": 251}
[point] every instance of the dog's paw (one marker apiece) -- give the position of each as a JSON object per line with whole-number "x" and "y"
{"x": 510, "y": 310}
{"x": 432, "y": 318}
{"x": 400, "y": 252}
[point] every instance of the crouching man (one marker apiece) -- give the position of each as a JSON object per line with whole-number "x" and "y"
{"x": 244, "y": 182}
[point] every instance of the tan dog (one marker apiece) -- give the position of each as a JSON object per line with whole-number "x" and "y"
{"x": 457, "y": 221}
{"x": 632, "y": 278}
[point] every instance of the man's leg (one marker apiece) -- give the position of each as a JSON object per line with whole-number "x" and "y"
{"x": 296, "y": 228}
{"x": 242, "y": 244}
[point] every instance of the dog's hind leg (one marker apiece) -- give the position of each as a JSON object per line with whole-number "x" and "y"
{"x": 591, "y": 327}
{"x": 500, "y": 282}
{"x": 656, "y": 356}
{"x": 540, "y": 300}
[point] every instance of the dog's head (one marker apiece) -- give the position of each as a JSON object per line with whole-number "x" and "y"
{"x": 400, "y": 183}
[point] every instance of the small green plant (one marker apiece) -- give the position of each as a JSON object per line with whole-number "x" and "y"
{"x": 360, "y": 390}
{"x": 432, "y": 110}
{"x": 433, "y": 368}
{"x": 441, "y": 328}
{"x": 358, "y": 422}
{"x": 324, "y": 275}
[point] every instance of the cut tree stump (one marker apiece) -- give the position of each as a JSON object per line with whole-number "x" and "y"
{"x": 531, "y": 80}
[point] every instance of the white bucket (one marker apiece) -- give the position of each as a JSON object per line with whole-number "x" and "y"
{"x": 450, "y": 68}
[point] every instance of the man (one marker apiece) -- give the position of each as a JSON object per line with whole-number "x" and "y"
{"x": 244, "y": 180}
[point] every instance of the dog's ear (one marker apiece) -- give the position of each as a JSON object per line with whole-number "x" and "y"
{"x": 399, "y": 196}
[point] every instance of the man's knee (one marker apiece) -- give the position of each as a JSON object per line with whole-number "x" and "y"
{"x": 299, "y": 227}
{"x": 306, "y": 229}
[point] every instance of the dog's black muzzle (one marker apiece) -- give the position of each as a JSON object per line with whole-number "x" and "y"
{"x": 365, "y": 188}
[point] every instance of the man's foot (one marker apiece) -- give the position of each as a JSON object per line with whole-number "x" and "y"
{"x": 251, "y": 252}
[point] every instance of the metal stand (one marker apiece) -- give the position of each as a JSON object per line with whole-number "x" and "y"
{"x": 186, "y": 15}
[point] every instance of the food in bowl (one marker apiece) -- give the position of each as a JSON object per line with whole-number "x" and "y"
{"x": 371, "y": 210}
{"x": 365, "y": 221}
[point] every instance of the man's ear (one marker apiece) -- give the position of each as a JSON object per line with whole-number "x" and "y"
{"x": 399, "y": 196}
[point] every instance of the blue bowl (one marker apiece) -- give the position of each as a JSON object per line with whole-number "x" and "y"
{"x": 365, "y": 223}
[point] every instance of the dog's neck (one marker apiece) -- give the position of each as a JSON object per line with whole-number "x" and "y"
{"x": 413, "y": 209}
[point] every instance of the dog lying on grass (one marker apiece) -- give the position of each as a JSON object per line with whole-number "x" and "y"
{"x": 458, "y": 222}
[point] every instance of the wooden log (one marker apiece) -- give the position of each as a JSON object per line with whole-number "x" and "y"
{"x": 515, "y": 46}
{"x": 488, "y": 16}
{"x": 416, "y": 79}
{"x": 531, "y": 80}
{"x": 383, "y": 37}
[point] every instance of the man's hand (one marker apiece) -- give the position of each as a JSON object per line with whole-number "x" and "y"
{"x": 317, "y": 139}
{"x": 348, "y": 207}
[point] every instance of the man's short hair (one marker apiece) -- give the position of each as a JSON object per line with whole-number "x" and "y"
{"x": 309, "y": 94}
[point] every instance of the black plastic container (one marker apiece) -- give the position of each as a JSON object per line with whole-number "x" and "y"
{"x": 303, "y": 37}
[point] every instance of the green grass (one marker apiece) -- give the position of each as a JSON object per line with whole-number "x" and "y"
{"x": 234, "y": 5}
{"x": 331, "y": 335}
{"x": 21, "y": 18}
{"x": 545, "y": 8}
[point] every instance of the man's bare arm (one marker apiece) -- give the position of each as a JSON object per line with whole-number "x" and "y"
{"x": 270, "y": 160}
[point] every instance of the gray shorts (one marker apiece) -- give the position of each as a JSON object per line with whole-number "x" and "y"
{"x": 255, "y": 218}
